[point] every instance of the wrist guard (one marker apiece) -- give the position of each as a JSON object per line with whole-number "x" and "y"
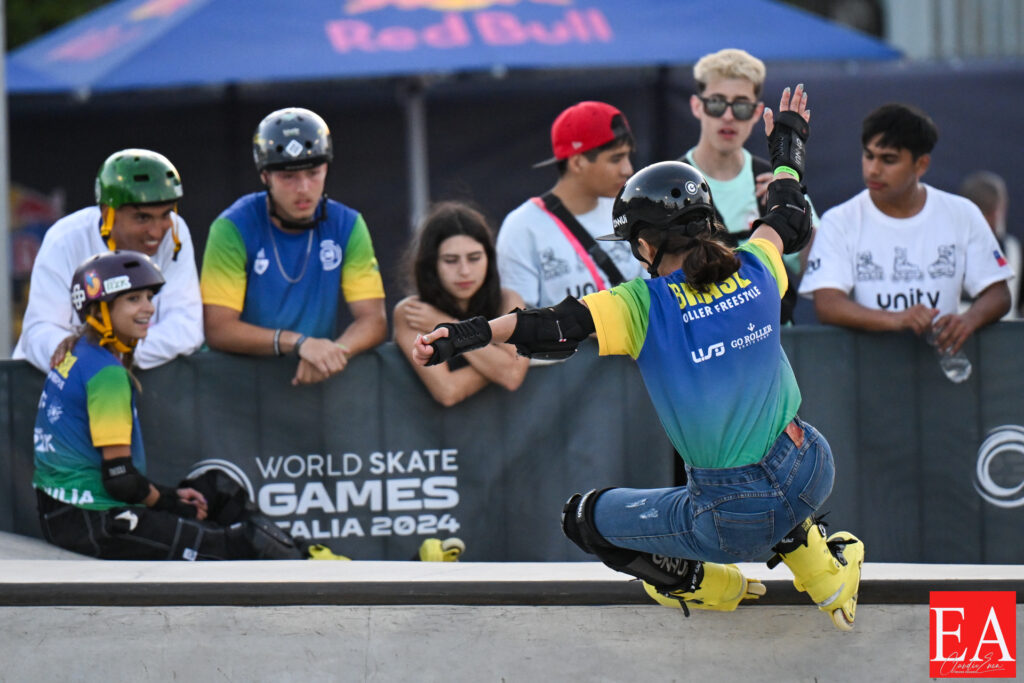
{"x": 787, "y": 215}
{"x": 552, "y": 333}
{"x": 463, "y": 336}
{"x": 170, "y": 502}
{"x": 123, "y": 482}
{"x": 786, "y": 142}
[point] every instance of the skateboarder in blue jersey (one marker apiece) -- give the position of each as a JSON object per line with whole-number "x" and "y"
{"x": 705, "y": 333}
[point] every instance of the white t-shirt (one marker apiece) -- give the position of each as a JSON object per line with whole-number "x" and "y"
{"x": 891, "y": 264}
{"x": 177, "y": 325}
{"x": 537, "y": 261}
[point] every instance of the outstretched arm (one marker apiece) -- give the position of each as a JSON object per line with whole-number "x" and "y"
{"x": 553, "y": 332}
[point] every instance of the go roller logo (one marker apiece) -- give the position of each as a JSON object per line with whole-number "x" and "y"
{"x": 973, "y": 634}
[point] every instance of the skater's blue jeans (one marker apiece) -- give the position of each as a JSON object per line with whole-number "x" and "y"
{"x": 734, "y": 514}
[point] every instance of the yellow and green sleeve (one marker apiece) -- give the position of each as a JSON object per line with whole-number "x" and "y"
{"x": 223, "y": 279}
{"x": 110, "y": 407}
{"x": 620, "y": 317}
{"x": 360, "y": 274}
{"x": 767, "y": 254}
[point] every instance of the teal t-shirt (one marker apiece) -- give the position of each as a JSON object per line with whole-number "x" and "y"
{"x": 736, "y": 202}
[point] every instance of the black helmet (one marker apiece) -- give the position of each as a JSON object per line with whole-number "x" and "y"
{"x": 106, "y": 276}
{"x": 660, "y": 195}
{"x": 290, "y": 140}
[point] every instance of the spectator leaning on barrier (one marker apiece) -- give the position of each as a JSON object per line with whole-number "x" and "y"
{"x": 897, "y": 255}
{"x": 546, "y": 248}
{"x": 727, "y": 105}
{"x": 455, "y": 275}
{"x": 988, "y": 191}
{"x": 730, "y": 407}
{"x": 277, "y": 261}
{"x": 137, "y": 192}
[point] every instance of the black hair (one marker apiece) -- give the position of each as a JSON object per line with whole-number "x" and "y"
{"x": 708, "y": 260}
{"x": 592, "y": 154}
{"x": 902, "y": 126}
{"x": 448, "y": 219}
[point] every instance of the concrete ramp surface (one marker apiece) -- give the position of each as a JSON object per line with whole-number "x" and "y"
{"x": 407, "y": 621}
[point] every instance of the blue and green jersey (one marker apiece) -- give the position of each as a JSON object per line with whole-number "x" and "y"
{"x": 88, "y": 402}
{"x": 289, "y": 280}
{"x": 712, "y": 361}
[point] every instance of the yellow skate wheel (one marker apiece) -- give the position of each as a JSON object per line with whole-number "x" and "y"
{"x": 322, "y": 552}
{"x": 436, "y": 550}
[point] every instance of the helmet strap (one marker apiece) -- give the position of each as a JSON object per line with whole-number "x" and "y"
{"x": 174, "y": 232}
{"x": 106, "y": 331}
{"x": 317, "y": 219}
{"x": 107, "y": 227}
{"x": 652, "y": 269}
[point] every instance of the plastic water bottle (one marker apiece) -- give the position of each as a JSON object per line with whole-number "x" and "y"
{"x": 956, "y": 365}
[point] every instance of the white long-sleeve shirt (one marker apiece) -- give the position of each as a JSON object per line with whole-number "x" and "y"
{"x": 177, "y": 327}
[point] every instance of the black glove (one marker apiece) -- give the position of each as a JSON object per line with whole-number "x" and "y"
{"x": 463, "y": 336}
{"x": 170, "y": 502}
{"x": 786, "y": 142}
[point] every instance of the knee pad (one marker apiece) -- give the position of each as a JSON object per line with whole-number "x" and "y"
{"x": 266, "y": 540}
{"x": 578, "y": 525}
{"x": 662, "y": 572}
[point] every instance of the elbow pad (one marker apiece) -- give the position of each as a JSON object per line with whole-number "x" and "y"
{"x": 552, "y": 333}
{"x": 787, "y": 215}
{"x": 123, "y": 482}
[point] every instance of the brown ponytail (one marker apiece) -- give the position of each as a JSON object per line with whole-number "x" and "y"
{"x": 707, "y": 260}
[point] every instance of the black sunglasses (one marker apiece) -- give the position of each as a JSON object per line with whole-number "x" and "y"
{"x": 741, "y": 109}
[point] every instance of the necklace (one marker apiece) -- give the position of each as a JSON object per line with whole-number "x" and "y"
{"x": 277, "y": 257}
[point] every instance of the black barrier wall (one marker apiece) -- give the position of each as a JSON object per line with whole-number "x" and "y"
{"x": 368, "y": 463}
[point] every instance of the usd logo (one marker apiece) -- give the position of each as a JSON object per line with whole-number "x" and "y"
{"x": 704, "y": 354}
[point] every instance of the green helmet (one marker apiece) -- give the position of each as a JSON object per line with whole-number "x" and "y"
{"x": 137, "y": 176}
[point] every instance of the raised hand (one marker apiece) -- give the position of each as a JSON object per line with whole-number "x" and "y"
{"x": 797, "y": 102}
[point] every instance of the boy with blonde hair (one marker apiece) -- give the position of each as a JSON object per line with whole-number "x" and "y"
{"x": 727, "y": 105}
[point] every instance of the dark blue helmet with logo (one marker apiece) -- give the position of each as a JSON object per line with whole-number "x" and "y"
{"x": 662, "y": 195}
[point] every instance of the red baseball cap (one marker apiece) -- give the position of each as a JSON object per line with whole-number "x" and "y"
{"x": 582, "y": 127}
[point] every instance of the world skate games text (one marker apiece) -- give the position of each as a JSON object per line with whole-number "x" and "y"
{"x": 351, "y": 495}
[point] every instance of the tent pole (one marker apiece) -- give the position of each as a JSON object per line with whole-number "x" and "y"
{"x": 413, "y": 99}
{"x": 5, "y": 201}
